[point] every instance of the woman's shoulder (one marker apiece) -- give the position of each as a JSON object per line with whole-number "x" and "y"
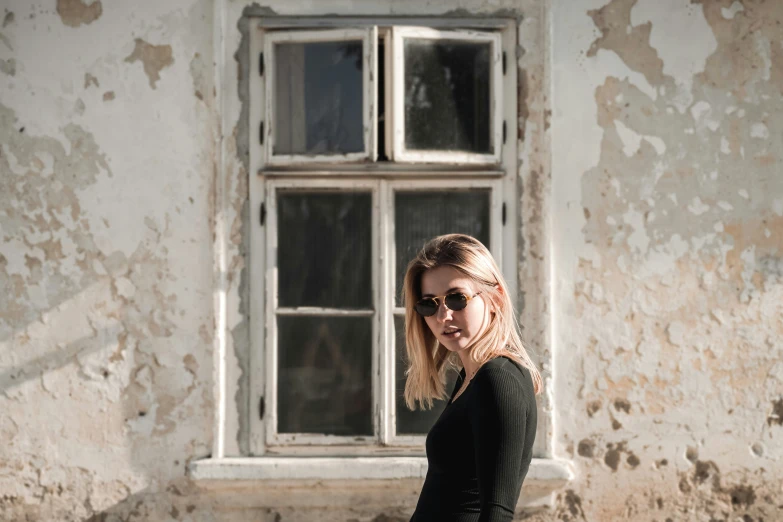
{"x": 505, "y": 373}
{"x": 505, "y": 363}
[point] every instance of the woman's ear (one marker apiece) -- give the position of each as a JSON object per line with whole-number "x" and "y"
{"x": 495, "y": 302}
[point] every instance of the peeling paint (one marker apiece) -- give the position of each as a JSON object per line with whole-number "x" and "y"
{"x": 154, "y": 58}
{"x": 8, "y": 19}
{"x": 8, "y": 66}
{"x": 776, "y": 417}
{"x": 74, "y": 13}
{"x": 651, "y": 192}
{"x": 89, "y": 79}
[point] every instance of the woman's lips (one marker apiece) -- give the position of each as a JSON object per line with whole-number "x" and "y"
{"x": 452, "y": 335}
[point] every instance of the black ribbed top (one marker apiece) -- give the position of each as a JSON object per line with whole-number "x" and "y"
{"x": 479, "y": 449}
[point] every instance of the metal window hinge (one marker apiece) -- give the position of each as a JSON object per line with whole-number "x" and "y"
{"x": 504, "y": 131}
{"x": 262, "y": 214}
{"x": 261, "y": 133}
{"x": 261, "y": 408}
{"x": 261, "y": 64}
{"x": 504, "y": 62}
{"x": 503, "y": 213}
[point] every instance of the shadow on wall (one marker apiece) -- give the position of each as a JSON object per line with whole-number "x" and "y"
{"x": 104, "y": 386}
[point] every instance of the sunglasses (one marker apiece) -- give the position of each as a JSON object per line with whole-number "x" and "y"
{"x": 456, "y": 301}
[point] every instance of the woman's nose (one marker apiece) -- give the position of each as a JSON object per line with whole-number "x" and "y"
{"x": 443, "y": 311}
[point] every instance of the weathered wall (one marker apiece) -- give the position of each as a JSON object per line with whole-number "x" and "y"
{"x": 668, "y": 236}
{"x": 106, "y": 168}
{"x": 653, "y": 191}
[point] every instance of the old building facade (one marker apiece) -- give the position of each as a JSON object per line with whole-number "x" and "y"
{"x": 623, "y": 163}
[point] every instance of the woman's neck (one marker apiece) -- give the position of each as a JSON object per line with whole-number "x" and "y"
{"x": 469, "y": 364}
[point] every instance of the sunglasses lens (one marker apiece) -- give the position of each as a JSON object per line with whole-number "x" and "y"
{"x": 456, "y": 302}
{"x": 426, "y": 307}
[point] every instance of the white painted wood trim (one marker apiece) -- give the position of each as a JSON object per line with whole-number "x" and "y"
{"x": 401, "y": 153}
{"x": 509, "y": 260}
{"x": 310, "y": 311}
{"x": 337, "y": 185}
{"x": 270, "y": 285}
{"x": 371, "y": 98}
{"x": 388, "y": 94}
{"x": 219, "y": 280}
{"x": 386, "y": 301}
{"x": 258, "y": 255}
{"x": 340, "y": 442}
{"x": 320, "y": 22}
{"x": 369, "y": 76}
{"x": 377, "y": 380}
{"x": 382, "y": 171}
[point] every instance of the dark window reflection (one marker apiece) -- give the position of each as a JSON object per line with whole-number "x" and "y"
{"x": 325, "y": 375}
{"x": 319, "y": 98}
{"x": 419, "y": 216}
{"x": 324, "y": 248}
{"x": 447, "y": 95}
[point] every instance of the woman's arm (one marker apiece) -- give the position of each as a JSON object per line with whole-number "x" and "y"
{"x": 498, "y": 417}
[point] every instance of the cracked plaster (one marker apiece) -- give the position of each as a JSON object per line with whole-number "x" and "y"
{"x": 666, "y": 215}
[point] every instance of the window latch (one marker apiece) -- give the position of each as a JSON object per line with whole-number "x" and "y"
{"x": 261, "y": 408}
{"x": 261, "y": 64}
{"x": 503, "y": 213}
{"x": 262, "y": 217}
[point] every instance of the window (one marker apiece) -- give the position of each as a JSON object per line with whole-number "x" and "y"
{"x": 447, "y": 95}
{"x": 365, "y": 142}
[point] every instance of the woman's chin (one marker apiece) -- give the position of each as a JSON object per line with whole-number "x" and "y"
{"x": 454, "y": 345}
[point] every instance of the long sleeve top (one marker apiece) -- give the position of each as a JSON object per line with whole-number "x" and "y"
{"x": 479, "y": 449}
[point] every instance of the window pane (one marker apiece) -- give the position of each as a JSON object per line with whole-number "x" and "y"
{"x": 420, "y": 216}
{"x": 416, "y": 422}
{"x": 318, "y": 100}
{"x": 325, "y": 375}
{"x": 324, "y": 248}
{"x": 447, "y": 95}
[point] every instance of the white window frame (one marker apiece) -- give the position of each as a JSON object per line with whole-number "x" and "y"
{"x": 383, "y": 334}
{"x": 399, "y": 152}
{"x": 338, "y": 186}
{"x": 368, "y": 36}
{"x": 386, "y": 177}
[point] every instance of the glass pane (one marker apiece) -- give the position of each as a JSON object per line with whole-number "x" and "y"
{"x": 382, "y": 152}
{"x": 318, "y": 98}
{"x": 324, "y": 248}
{"x": 420, "y": 216}
{"x": 325, "y": 375}
{"x": 416, "y": 422}
{"x": 447, "y": 95}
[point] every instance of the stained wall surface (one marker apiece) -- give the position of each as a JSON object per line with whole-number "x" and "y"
{"x": 651, "y": 193}
{"x": 668, "y": 210}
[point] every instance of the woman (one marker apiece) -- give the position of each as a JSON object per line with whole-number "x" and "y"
{"x": 457, "y": 307}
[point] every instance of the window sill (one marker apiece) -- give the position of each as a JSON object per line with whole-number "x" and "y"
{"x": 544, "y": 477}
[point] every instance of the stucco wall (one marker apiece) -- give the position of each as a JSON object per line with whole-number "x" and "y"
{"x": 106, "y": 167}
{"x": 652, "y": 192}
{"x": 668, "y": 233}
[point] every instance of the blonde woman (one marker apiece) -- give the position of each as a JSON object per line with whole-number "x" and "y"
{"x": 458, "y": 312}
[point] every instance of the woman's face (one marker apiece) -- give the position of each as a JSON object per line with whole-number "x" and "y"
{"x": 471, "y": 320}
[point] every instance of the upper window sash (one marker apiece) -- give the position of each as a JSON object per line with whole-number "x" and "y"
{"x": 294, "y": 96}
{"x": 397, "y": 123}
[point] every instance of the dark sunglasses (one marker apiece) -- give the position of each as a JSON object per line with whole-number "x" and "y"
{"x": 457, "y": 301}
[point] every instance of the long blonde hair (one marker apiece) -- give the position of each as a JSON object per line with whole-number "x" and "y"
{"x": 428, "y": 360}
